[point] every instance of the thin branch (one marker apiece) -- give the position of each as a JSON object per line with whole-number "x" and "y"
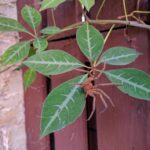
{"x": 102, "y": 22}
{"x": 53, "y": 17}
{"x": 125, "y": 10}
{"x": 129, "y": 23}
{"x": 82, "y": 70}
{"x": 108, "y": 34}
{"x": 100, "y": 9}
{"x": 68, "y": 28}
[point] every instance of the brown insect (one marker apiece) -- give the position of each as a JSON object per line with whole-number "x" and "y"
{"x": 92, "y": 90}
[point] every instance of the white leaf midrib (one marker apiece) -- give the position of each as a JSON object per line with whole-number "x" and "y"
{"x": 64, "y": 104}
{"x": 13, "y": 27}
{"x": 129, "y": 82}
{"x": 14, "y": 54}
{"x": 88, "y": 41}
{"x": 30, "y": 16}
{"x": 116, "y": 57}
{"x": 62, "y": 63}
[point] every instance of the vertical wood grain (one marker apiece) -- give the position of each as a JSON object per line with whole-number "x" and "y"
{"x": 34, "y": 96}
{"x": 74, "y": 136}
{"x": 125, "y": 127}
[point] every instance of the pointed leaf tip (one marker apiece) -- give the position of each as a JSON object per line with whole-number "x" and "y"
{"x": 63, "y": 106}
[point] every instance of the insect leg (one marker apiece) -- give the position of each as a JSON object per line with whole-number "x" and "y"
{"x": 93, "y": 108}
{"x": 106, "y": 95}
{"x": 103, "y": 101}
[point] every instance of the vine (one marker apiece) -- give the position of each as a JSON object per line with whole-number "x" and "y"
{"x": 65, "y": 103}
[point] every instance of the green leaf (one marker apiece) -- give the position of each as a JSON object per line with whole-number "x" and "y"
{"x": 8, "y": 24}
{"x": 29, "y": 78}
{"x": 40, "y": 44}
{"x": 134, "y": 82}
{"x": 90, "y": 41}
{"x": 87, "y": 3}
{"x": 63, "y": 106}
{"x": 119, "y": 56}
{"x": 50, "y": 4}
{"x": 31, "y": 16}
{"x": 16, "y": 53}
{"x": 53, "y": 62}
{"x": 50, "y": 30}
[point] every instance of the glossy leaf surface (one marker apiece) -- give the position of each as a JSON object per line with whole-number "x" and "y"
{"x": 90, "y": 41}
{"x": 119, "y": 56}
{"x": 50, "y": 30}
{"x": 29, "y": 78}
{"x": 8, "y": 24}
{"x": 50, "y": 4}
{"x": 53, "y": 62}
{"x": 134, "y": 82}
{"x": 63, "y": 106}
{"x": 16, "y": 53}
{"x": 31, "y": 16}
{"x": 40, "y": 44}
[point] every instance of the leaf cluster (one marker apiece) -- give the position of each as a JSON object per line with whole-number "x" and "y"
{"x": 67, "y": 101}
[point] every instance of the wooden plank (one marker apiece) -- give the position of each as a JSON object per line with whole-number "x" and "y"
{"x": 33, "y": 97}
{"x": 66, "y": 14}
{"x": 125, "y": 126}
{"x": 113, "y": 9}
{"x": 74, "y": 136}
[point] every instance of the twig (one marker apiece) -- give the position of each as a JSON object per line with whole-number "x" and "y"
{"x": 100, "y": 9}
{"x": 108, "y": 34}
{"x": 53, "y": 17}
{"x": 102, "y": 22}
{"x": 125, "y": 10}
{"x": 129, "y": 23}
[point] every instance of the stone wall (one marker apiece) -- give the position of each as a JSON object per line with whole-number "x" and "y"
{"x": 12, "y": 119}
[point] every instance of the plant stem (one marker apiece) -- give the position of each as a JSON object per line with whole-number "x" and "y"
{"x": 100, "y": 9}
{"x": 70, "y": 27}
{"x": 125, "y": 9}
{"x": 53, "y": 17}
{"x": 31, "y": 34}
{"x": 108, "y": 34}
{"x": 129, "y": 23}
{"x": 101, "y": 22}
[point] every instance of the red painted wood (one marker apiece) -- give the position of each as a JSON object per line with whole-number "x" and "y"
{"x": 66, "y": 14}
{"x": 74, "y": 136}
{"x": 125, "y": 127}
{"x": 112, "y": 9}
{"x": 33, "y": 97}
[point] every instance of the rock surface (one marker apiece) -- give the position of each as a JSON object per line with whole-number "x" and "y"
{"x": 12, "y": 118}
